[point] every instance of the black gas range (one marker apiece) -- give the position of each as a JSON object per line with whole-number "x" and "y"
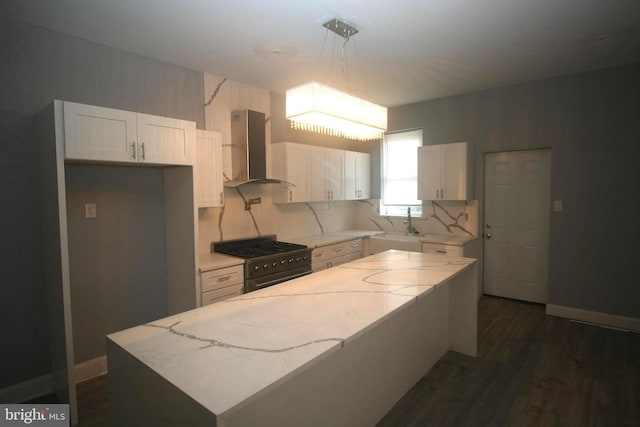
{"x": 267, "y": 260}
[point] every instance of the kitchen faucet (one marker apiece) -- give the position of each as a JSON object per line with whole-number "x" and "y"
{"x": 410, "y": 228}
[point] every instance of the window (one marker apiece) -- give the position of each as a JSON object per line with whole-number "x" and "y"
{"x": 400, "y": 173}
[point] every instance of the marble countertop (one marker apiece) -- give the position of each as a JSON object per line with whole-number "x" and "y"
{"x": 317, "y": 240}
{"x": 215, "y": 260}
{"x": 230, "y": 352}
{"x": 446, "y": 239}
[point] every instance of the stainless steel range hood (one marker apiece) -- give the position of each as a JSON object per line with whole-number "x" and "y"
{"x": 248, "y": 150}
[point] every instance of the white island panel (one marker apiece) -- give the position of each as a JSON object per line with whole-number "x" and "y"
{"x": 365, "y": 332}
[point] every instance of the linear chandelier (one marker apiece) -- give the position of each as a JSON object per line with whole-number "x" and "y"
{"x": 319, "y": 108}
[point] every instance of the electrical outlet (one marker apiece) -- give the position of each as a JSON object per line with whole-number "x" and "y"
{"x": 90, "y": 210}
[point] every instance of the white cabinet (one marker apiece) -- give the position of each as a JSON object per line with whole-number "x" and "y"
{"x": 357, "y": 175}
{"x": 441, "y": 249}
{"x": 221, "y": 283}
{"x": 444, "y": 172}
{"x": 328, "y": 256}
{"x": 208, "y": 169}
{"x": 327, "y": 170}
{"x": 320, "y": 174}
{"x": 105, "y": 134}
{"x": 292, "y": 163}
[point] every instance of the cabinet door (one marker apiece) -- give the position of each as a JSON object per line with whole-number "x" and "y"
{"x": 327, "y": 171}
{"x": 334, "y": 173}
{"x": 429, "y": 172}
{"x": 453, "y": 176}
{"x": 357, "y": 175}
{"x": 97, "y": 133}
{"x": 363, "y": 175}
{"x": 350, "y": 175}
{"x": 208, "y": 169}
{"x": 292, "y": 163}
{"x": 319, "y": 191}
{"x": 165, "y": 140}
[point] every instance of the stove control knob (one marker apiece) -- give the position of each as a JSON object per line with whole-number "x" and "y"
{"x": 298, "y": 259}
{"x": 290, "y": 260}
{"x": 265, "y": 266}
{"x": 275, "y": 264}
{"x": 284, "y": 261}
{"x": 256, "y": 267}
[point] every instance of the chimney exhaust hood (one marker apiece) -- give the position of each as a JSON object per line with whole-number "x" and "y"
{"x": 248, "y": 150}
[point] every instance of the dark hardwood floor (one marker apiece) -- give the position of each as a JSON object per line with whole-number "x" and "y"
{"x": 531, "y": 370}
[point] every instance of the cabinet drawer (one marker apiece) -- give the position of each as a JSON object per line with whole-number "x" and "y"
{"x": 223, "y": 277}
{"x": 435, "y": 248}
{"x": 220, "y": 294}
{"x": 350, "y": 247}
{"x": 344, "y": 259}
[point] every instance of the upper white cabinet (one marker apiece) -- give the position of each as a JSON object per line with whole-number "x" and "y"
{"x": 208, "y": 169}
{"x": 319, "y": 173}
{"x": 357, "y": 175}
{"x": 105, "y": 134}
{"x": 292, "y": 163}
{"x": 444, "y": 172}
{"x": 327, "y": 170}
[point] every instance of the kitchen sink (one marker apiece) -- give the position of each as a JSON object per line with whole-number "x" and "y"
{"x": 404, "y": 242}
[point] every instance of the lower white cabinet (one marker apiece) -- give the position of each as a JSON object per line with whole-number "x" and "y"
{"x": 440, "y": 249}
{"x": 324, "y": 257}
{"x": 221, "y": 283}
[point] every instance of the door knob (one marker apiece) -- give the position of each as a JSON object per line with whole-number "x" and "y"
{"x": 488, "y": 235}
{"x": 488, "y": 225}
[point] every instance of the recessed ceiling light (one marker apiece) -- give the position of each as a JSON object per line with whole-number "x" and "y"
{"x": 269, "y": 50}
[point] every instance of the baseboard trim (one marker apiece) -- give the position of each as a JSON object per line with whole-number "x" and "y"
{"x": 595, "y": 317}
{"x": 90, "y": 369}
{"x": 27, "y": 390}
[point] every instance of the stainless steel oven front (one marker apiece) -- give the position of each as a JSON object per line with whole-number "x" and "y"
{"x": 269, "y": 270}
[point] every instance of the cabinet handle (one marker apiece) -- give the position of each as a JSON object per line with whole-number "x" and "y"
{"x": 290, "y": 195}
{"x": 223, "y": 278}
{"x": 355, "y": 245}
{"x": 142, "y": 146}
{"x": 441, "y": 251}
{"x": 221, "y": 198}
{"x": 133, "y": 149}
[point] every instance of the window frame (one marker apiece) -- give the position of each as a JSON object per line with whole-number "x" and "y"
{"x": 399, "y": 210}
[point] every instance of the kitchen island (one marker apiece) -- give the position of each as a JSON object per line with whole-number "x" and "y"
{"x": 337, "y": 347}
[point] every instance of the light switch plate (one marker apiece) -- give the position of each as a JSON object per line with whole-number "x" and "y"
{"x": 90, "y": 210}
{"x": 557, "y": 205}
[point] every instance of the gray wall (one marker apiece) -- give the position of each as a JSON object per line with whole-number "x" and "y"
{"x": 591, "y": 122}
{"x": 118, "y": 259}
{"x": 37, "y": 66}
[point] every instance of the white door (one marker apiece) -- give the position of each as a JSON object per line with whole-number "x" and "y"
{"x": 516, "y": 229}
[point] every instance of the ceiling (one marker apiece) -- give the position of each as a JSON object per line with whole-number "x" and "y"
{"x": 406, "y": 50}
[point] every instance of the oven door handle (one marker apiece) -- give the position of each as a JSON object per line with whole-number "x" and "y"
{"x": 281, "y": 279}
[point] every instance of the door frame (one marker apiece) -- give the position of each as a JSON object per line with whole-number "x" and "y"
{"x": 482, "y": 208}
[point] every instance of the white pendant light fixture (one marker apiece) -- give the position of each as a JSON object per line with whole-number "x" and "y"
{"x": 319, "y": 108}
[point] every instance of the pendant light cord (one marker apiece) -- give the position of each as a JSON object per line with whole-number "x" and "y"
{"x": 345, "y": 74}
